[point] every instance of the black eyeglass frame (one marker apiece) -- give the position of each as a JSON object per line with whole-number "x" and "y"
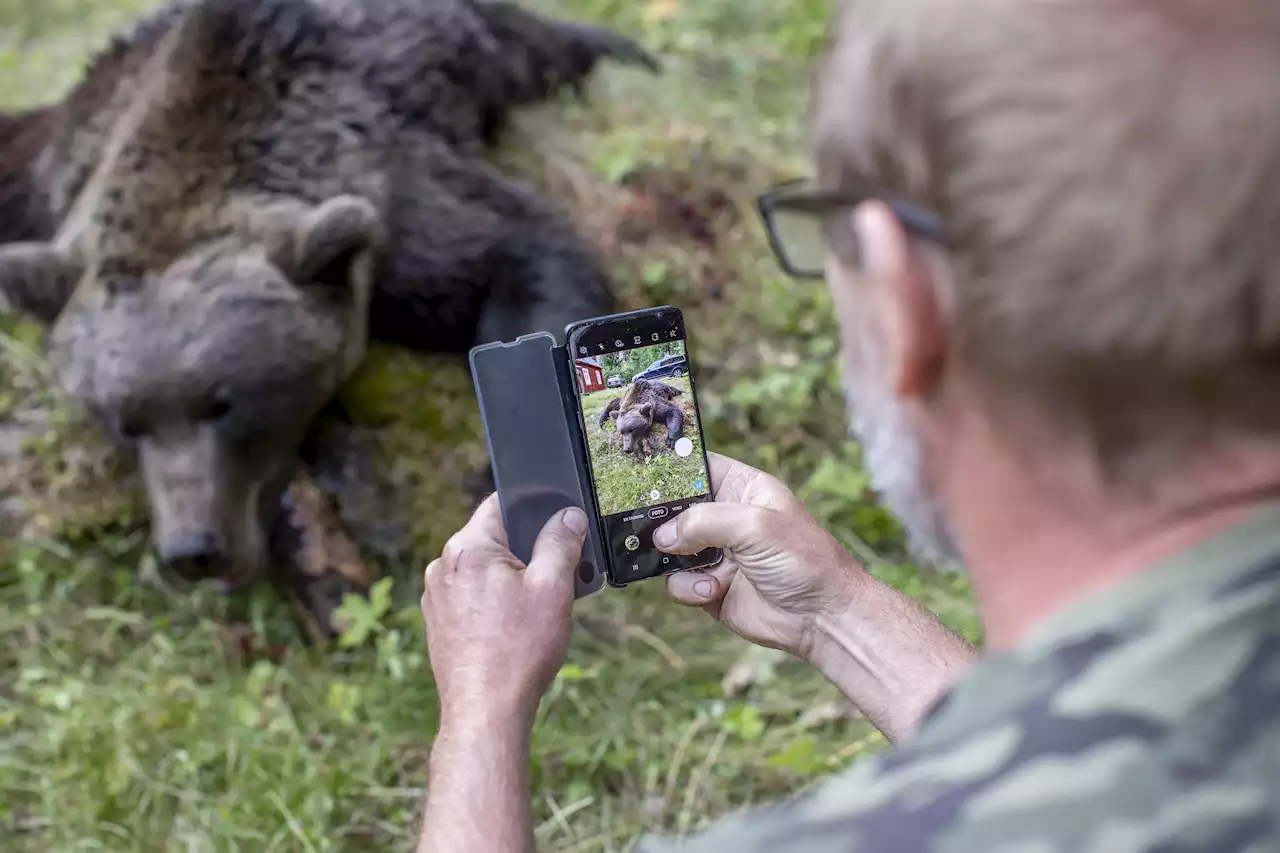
{"x": 784, "y": 196}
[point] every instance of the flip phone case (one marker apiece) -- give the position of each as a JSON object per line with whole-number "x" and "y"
{"x": 528, "y": 405}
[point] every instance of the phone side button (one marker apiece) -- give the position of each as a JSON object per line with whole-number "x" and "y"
{"x": 658, "y": 512}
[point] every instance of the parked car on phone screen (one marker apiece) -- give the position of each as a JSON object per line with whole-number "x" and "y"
{"x": 670, "y": 365}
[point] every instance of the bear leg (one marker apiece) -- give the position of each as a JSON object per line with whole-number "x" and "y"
{"x": 675, "y": 426}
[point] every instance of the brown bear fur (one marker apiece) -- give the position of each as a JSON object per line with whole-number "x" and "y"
{"x": 24, "y": 213}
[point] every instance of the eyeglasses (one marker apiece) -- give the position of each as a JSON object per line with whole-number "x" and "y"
{"x": 799, "y": 219}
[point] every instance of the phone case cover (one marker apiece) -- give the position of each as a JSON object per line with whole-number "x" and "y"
{"x": 526, "y": 395}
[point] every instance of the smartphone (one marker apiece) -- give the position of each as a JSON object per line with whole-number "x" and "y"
{"x": 638, "y": 411}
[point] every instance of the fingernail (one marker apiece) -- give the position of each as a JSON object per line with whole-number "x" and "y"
{"x": 665, "y": 536}
{"x": 576, "y": 520}
{"x": 703, "y": 589}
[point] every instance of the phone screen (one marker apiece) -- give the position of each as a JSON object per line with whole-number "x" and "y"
{"x": 644, "y": 436}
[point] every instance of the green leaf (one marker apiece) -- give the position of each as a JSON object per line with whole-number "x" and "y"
{"x": 246, "y": 711}
{"x": 260, "y": 678}
{"x": 380, "y": 597}
{"x": 743, "y": 721}
{"x": 655, "y": 271}
{"x": 390, "y": 655}
{"x": 344, "y": 699}
{"x": 800, "y": 757}
{"x": 362, "y": 616}
{"x": 573, "y": 672}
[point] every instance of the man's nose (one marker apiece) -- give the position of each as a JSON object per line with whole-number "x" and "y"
{"x": 194, "y": 555}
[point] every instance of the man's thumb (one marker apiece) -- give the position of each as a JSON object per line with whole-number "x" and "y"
{"x": 558, "y": 549}
{"x": 735, "y": 527}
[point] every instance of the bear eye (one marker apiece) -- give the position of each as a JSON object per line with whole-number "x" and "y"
{"x": 132, "y": 429}
{"x": 217, "y": 410}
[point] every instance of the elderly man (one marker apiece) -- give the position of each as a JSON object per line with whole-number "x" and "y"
{"x": 1051, "y": 232}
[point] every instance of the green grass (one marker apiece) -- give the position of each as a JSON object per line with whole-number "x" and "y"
{"x": 136, "y": 719}
{"x": 623, "y": 480}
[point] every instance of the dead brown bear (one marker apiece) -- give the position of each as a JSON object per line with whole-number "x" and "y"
{"x": 645, "y": 403}
{"x": 241, "y": 193}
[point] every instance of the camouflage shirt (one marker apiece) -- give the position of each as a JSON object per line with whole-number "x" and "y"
{"x": 1144, "y": 719}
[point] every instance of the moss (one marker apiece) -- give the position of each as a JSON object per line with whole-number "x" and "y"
{"x": 429, "y": 437}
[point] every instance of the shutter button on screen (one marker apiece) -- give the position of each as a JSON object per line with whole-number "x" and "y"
{"x": 633, "y": 542}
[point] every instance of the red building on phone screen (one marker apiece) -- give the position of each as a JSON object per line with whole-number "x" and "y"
{"x": 590, "y": 374}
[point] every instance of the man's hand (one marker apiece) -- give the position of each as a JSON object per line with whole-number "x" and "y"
{"x": 787, "y": 584}
{"x": 497, "y": 631}
{"x": 781, "y": 570}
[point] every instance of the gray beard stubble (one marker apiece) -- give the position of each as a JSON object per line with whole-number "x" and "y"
{"x": 894, "y": 458}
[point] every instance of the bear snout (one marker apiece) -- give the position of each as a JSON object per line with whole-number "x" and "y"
{"x": 195, "y": 556}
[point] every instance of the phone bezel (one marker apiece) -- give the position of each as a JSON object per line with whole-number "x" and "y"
{"x": 573, "y": 333}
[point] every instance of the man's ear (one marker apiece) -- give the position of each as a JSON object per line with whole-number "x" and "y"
{"x": 327, "y": 242}
{"x": 904, "y": 297}
{"x": 36, "y": 280}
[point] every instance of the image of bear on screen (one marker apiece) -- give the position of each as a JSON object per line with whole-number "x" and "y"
{"x": 643, "y": 433}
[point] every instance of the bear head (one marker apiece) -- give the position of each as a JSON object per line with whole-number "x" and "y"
{"x": 209, "y": 367}
{"x": 634, "y": 426}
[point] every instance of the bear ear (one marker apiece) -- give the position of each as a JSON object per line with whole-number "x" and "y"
{"x": 36, "y": 280}
{"x": 327, "y": 242}
{"x": 647, "y": 410}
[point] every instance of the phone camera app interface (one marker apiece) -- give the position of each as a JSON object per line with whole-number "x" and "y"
{"x": 644, "y": 441}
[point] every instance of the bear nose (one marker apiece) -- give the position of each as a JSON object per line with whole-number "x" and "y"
{"x": 195, "y": 556}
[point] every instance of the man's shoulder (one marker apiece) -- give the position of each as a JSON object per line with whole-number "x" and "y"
{"x": 967, "y": 794}
{"x": 1115, "y": 740}
{"x": 1147, "y": 718}
{"x": 1101, "y": 782}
